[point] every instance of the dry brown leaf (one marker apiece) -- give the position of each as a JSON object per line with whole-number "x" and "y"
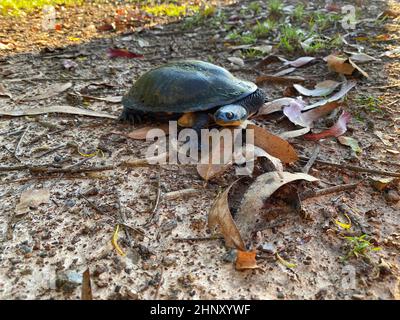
{"x": 57, "y": 109}
{"x": 246, "y": 260}
{"x": 86, "y": 286}
{"x": 339, "y": 65}
{"x": 273, "y": 145}
{"x": 258, "y": 192}
{"x": 214, "y": 163}
{"x": 32, "y": 198}
{"x": 141, "y": 133}
{"x": 49, "y": 92}
{"x": 220, "y": 217}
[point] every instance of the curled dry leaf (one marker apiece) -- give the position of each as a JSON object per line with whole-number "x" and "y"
{"x": 294, "y": 133}
{"x": 246, "y": 260}
{"x": 339, "y": 64}
{"x": 321, "y": 89}
{"x": 343, "y": 65}
{"x": 141, "y": 133}
{"x": 306, "y": 119}
{"x": 273, "y": 106}
{"x": 339, "y": 128}
{"x": 273, "y": 145}
{"x": 220, "y": 217}
{"x": 56, "y": 109}
{"x": 350, "y": 142}
{"x": 284, "y": 72}
{"x": 258, "y": 192}
{"x": 49, "y": 92}
{"x": 346, "y": 87}
{"x": 32, "y": 198}
{"x": 86, "y": 286}
{"x": 300, "y": 62}
{"x": 216, "y": 164}
{"x": 361, "y": 57}
{"x": 122, "y": 53}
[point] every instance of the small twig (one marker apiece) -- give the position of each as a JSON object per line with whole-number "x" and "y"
{"x": 181, "y": 194}
{"x": 123, "y": 221}
{"x": 45, "y": 153}
{"x": 16, "y": 151}
{"x": 312, "y": 159}
{"x": 354, "y": 168}
{"x": 198, "y": 239}
{"x": 386, "y": 87}
{"x": 160, "y": 283}
{"x": 69, "y": 170}
{"x": 96, "y": 208}
{"x": 323, "y": 192}
{"x": 156, "y": 204}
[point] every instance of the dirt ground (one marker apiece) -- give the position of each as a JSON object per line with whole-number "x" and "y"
{"x": 45, "y": 249}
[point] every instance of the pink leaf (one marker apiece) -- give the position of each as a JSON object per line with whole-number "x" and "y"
{"x": 293, "y": 112}
{"x": 336, "y": 130}
{"x": 123, "y": 53}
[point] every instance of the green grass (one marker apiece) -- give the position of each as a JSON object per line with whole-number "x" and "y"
{"x": 255, "y": 7}
{"x": 290, "y": 38}
{"x": 18, "y": 7}
{"x": 298, "y": 13}
{"x": 262, "y": 30}
{"x": 369, "y": 103}
{"x": 275, "y": 7}
{"x": 359, "y": 247}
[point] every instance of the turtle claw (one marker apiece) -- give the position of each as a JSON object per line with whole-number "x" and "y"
{"x": 131, "y": 117}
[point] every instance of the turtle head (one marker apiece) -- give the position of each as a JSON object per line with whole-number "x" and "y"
{"x": 230, "y": 115}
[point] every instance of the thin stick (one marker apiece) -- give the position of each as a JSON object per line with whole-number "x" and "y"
{"x": 354, "y": 168}
{"x": 323, "y": 192}
{"x": 311, "y": 161}
{"x": 197, "y": 239}
{"x": 16, "y": 151}
{"x": 156, "y": 204}
{"x": 96, "y": 208}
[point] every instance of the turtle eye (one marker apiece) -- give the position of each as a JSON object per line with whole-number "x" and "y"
{"x": 229, "y": 115}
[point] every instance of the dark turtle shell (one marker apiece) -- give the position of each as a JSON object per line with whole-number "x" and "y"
{"x": 186, "y": 86}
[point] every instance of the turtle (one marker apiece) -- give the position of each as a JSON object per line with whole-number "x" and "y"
{"x": 194, "y": 92}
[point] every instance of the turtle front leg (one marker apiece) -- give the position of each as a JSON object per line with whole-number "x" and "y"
{"x": 202, "y": 120}
{"x": 131, "y": 116}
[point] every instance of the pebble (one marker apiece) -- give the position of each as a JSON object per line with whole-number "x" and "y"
{"x": 392, "y": 196}
{"x": 230, "y": 256}
{"x": 67, "y": 281}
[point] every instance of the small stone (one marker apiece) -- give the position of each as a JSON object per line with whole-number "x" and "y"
{"x": 230, "y": 256}
{"x": 67, "y": 281}
{"x": 392, "y": 196}
{"x": 70, "y": 203}
{"x": 268, "y": 248}
{"x": 25, "y": 249}
{"x": 169, "y": 261}
{"x": 358, "y": 297}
